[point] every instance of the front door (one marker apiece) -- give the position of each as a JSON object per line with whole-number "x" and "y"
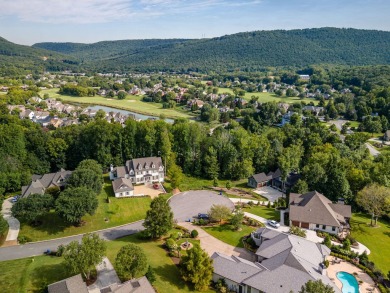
{"x": 240, "y": 289}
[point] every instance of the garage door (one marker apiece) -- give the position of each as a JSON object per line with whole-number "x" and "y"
{"x": 295, "y": 223}
{"x": 305, "y": 225}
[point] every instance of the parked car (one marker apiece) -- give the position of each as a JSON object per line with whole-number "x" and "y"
{"x": 203, "y": 216}
{"x": 156, "y": 186}
{"x": 15, "y": 199}
{"x": 273, "y": 224}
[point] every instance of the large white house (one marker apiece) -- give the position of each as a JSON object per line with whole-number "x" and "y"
{"x": 140, "y": 170}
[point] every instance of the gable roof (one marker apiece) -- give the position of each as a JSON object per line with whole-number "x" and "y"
{"x": 73, "y": 284}
{"x": 140, "y": 285}
{"x": 261, "y": 177}
{"x": 313, "y": 207}
{"x": 122, "y": 184}
{"x": 149, "y": 162}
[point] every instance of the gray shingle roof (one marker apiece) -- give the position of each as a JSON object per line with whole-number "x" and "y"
{"x": 140, "y": 285}
{"x": 73, "y": 284}
{"x": 261, "y": 177}
{"x": 122, "y": 185}
{"x": 149, "y": 163}
{"x": 313, "y": 207}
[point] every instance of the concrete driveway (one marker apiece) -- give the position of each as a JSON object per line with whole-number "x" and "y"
{"x": 188, "y": 204}
{"x": 270, "y": 193}
{"x": 13, "y": 223}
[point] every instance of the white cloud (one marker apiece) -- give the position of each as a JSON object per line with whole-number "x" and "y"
{"x": 101, "y": 11}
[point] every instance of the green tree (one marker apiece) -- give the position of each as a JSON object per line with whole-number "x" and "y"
{"x": 74, "y": 203}
{"x": 150, "y": 275}
{"x": 219, "y": 212}
{"x": 375, "y": 199}
{"x": 29, "y": 209}
{"x": 316, "y": 287}
{"x": 327, "y": 242}
{"x": 197, "y": 268}
{"x": 175, "y": 175}
{"x": 83, "y": 257}
{"x": 3, "y": 226}
{"x": 300, "y": 187}
{"x": 159, "y": 218}
{"x": 236, "y": 220}
{"x": 121, "y": 95}
{"x": 85, "y": 178}
{"x": 131, "y": 262}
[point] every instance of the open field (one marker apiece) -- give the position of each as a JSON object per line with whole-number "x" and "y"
{"x": 377, "y": 239}
{"x": 118, "y": 212}
{"x": 26, "y": 275}
{"x": 227, "y": 234}
{"x": 131, "y": 103}
{"x": 269, "y": 97}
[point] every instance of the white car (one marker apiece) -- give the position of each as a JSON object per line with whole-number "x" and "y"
{"x": 273, "y": 224}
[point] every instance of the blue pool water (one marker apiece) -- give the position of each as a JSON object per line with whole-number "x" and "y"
{"x": 350, "y": 284}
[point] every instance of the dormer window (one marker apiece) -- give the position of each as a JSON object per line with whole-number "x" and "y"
{"x": 153, "y": 166}
{"x": 131, "y": 172}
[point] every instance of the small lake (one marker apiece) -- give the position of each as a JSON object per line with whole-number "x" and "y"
{"x": 125, "y": 112}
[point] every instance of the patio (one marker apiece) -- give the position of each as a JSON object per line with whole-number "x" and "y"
{"x": 148, "y": 189}
{"x": 338, "y": 265}
{"x": 270, "y": 193}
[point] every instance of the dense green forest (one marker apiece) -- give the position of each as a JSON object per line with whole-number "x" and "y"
{"x": 251, "y": 51}
{"x": 105, "y": 49}
{"x": 17, "y": 59}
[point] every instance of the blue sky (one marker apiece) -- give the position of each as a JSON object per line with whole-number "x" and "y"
{"x": 86, "y": 21}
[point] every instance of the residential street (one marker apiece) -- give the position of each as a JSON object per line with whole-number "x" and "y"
{"x": 372, "y": 150}
{"x": 38, "y": 248}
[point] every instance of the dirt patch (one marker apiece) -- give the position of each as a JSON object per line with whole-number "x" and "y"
{"x": 109, "y": 99}
{"x": 131, "y": 101}
{"x": 234, "y": 191}
{"x": 175, "y": 191}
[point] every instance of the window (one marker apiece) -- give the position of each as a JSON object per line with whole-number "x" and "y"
{"x": 153, "y": 166}
{"x": 127, "y": 193}
{"x": 317, "y": 226}
{"x": 323, "y": 227}
{"x": 333, "y": 228}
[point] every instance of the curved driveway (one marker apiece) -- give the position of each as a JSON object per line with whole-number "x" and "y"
{"x": 187, "y": 205}
{"x": 38, "y": 248}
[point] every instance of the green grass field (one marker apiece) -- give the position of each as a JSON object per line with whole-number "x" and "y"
{"x": 377, "y": 239}
{"x": 25, "y": 275}
{"x": 131, "y": 103}
{"x": 227, "y": 234}
{"x": 262, "y": 211}
{"x": 268, "y": 97}
{"x": 118, "y": 212}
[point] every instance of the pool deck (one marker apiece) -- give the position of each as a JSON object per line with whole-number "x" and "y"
{"x": 345, "y": 266}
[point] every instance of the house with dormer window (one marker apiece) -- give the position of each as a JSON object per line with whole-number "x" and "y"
{"x": 140, "y": 170}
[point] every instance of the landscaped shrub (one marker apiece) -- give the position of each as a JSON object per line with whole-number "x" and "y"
{"x": 194, "y": 233}
{"x": 171, "y": 244}
{"x": 327, "y": 241}
{"x": 269, "y": 204}
{"x": 60, "y": 250}
{"x": 297, "y": 231}
{"x": 24, "y": 239}
{"x": 326, "y": 263}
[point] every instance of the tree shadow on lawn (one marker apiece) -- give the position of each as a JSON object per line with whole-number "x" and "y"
{"x": 51, "y": 224}
{"x": 42, "y": 276}
{"x": 108, "y": 189}
{"x": 170, "y": 274}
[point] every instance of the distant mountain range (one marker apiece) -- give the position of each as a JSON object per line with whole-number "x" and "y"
{"x": 248, "y": 51}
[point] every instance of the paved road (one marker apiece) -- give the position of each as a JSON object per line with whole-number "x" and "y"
{"x": 372, "y": 150}
{"x": 188, "y": 204}
{"x": 37, "y": 248}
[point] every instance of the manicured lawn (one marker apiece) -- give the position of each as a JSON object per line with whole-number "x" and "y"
{"x": 131, "y": 103}
{"x": 269, "y": 97}
{"x": 25, "y": 275}
{"x": 377, "y": 239}
{"x": 263, "y": 211}
{"x": 118, "y": 212}
{"x": 31, "y": 274}
{"x": 194, "y": 183}
{"x": 226, "y": 233}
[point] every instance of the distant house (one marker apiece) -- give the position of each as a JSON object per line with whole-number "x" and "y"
{"x": 140, "y": 170}
{"x": 283, "y": 264}
{"x": 386, "y": 136}
{"x": 304, "y": 76}
{"x": 40, "y": 183}
{"x": 314, "y": 211}
{"x": 27, "y": 114}
{"x": 197, "y": 102}
{"x": 273, "y": 179}
{"x": 317, "y": 111}
{"x": 123, "y": 187}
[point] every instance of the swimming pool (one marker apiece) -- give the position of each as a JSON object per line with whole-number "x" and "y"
{"x": 350, "y": 284}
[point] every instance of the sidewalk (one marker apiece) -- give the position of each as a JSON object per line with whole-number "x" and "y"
{"x": 14, "y": 224}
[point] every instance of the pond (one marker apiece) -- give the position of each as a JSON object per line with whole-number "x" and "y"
{"x": 125, "y": 112}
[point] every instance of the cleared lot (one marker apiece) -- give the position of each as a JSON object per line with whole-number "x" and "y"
{"x": 188, "y": 204}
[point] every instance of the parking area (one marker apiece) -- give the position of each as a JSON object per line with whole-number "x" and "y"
{"x": 270, "y": 193}
{"x": 187, "y": 205}
{"x": 148, "y": 189}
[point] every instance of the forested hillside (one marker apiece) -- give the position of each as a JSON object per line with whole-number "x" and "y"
{"x": 249, "y": 51}
{"x": 17, "y": 59}
{"x": 105, "y": 49}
